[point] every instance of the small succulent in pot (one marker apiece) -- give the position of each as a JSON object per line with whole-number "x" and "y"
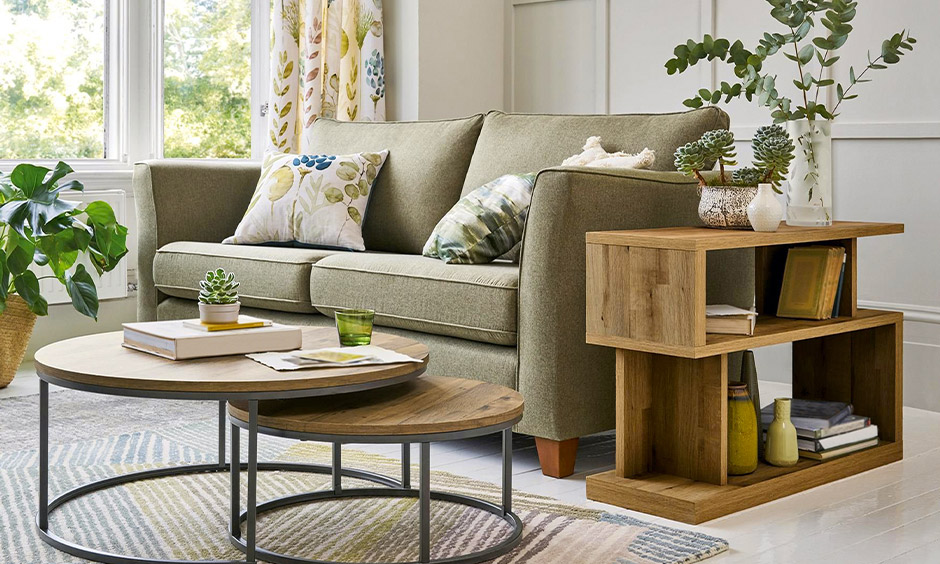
{"x": 725, "y": 196}
{"x": 218, "y": 297}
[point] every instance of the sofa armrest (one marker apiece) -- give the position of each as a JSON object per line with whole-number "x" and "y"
{"x": 185, "y": 200}
{"x": 569, "y": 385}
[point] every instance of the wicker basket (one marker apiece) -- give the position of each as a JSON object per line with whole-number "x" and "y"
{"x": 16, "y": 326}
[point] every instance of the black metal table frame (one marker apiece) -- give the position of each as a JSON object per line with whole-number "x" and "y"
{"x": 46, "y": 507}
{"x": 424, "y": 493}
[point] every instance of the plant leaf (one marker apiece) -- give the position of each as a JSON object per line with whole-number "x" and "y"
{"x": 27, "y": 287}
{"x": 81, "y": 289}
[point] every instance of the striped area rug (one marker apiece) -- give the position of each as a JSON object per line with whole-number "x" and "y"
{"x": 185, "y": 517}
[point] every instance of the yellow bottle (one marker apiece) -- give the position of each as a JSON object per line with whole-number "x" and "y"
{"x": 781, "y": 448}
{"x": 742, "y": 431}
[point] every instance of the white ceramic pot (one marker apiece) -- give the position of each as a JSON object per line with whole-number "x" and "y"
{"x": 219, "y": 313}
{"x": 725, "y": 207}
{"x": 809, "y": 195}
{"x": 765, "y": 211}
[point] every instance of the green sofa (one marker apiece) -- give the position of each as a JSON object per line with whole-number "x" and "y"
{"x": 518, "y": 322}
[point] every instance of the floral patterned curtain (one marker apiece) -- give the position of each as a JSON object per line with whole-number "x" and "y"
{"x": 327, "y": 59}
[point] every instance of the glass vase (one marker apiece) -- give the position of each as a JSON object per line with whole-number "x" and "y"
{"x": 809, "y": 194}
{"x": 742, "y": 431}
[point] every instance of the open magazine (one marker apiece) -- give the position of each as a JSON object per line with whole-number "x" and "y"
{"x": 333, "y": 357}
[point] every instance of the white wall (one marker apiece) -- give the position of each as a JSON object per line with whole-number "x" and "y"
{"x": 445, "y": 57}
{"x": 598, "y": 56}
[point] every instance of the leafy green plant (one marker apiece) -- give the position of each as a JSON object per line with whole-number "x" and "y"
{"x": 799, "y": 17}
{"x": 773, "y": 151}
{"x": 38, "y": 228}
{"x": 219, "y": 287}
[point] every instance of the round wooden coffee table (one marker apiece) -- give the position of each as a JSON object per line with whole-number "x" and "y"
{"x": 98, "y": 363}
{"x": 423, "y": 410}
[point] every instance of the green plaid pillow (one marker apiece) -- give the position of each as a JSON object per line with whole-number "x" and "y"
{"x": 485, "y": 224}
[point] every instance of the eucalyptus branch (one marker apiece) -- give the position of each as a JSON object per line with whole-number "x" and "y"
{"x": 799, "y": 65}
{"x": 822, "y": 70}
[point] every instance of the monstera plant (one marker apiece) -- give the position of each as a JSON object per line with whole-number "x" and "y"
{"x": 39, "y": 229}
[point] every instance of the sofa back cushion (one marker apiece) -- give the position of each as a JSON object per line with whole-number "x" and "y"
{"x": 420, "y": 181}
{"x": 514, "y": 143}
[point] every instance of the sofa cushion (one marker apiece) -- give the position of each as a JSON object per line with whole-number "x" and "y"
{"x": 475, "y": 302}
{"x": 421, "y": 179}
{"x": 275, "y": 278}
{"x": 512, "y": 143}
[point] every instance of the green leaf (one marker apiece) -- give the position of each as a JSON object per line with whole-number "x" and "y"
{"x": 333, "y": 195}
{"x": 27, "y": 287}
{"x": 806, "y": 54}
{"x": 704, "y": 94}
{"x": 101, "y": 213}
{"x": 4, "y": 279}
{"x": 28, "y": 177}
{"x": 288, "y": 69}
{"x": 81, "y": 289}
{"x": 21, "y": 256}
{"x": 346, "y": 173}
{"x": 364, "y": 187}
{"x": 352, "y": 191}
{"x": 354, "y": 215}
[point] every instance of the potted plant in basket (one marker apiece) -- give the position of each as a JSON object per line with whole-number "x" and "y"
{"x": 725, "y": 196}
{"x": 809, "y": 120}
{"x": 45, "y": 237}
{"x": 218, "y": 297}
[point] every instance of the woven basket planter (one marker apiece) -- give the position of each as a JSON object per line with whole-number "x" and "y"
{"x": 16, "y": 326}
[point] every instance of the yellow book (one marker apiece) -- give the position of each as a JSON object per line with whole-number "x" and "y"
{"x": 810, "y": 279}
{"x": 244, "y": 322}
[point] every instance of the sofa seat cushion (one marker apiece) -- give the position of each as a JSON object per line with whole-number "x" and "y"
{"x": 476, "y": 302}
{"x": 275, "y": 278}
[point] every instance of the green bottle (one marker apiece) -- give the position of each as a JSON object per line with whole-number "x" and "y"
{"x": 742, "y": 431}
{"x": 781, "y": 448}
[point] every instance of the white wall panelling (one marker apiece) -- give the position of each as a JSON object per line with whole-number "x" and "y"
{"x": 886, "y": 141}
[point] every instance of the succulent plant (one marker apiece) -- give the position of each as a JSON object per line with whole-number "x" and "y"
{"x": 719, "y": 147}
{"x": 773, "y": 151}
{"x": 219, "y": 287}
{"x": 690, "y": 160}
{"x": 747, "y": 176}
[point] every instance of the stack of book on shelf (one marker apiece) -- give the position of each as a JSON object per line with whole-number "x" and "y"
{"x": 812, "y": 282}
{"x": 185, "y": 339}
{"x": 826, "y": 429}
{"x": 723, "y": 318}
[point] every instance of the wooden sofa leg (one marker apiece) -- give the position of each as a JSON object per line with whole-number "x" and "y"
{"x": 557, "y": 457}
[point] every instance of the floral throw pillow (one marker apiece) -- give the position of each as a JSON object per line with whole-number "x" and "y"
{"x": 316, "y": 200}
{"x": 485, "y": 224}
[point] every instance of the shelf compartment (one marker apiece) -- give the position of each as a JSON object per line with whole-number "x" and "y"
{"x": 694, "y": 502}
{"x": 770, "y": 330}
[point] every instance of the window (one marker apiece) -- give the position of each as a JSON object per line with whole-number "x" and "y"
{"x": 53, "y": 85}
{"x": 207, "y": 78}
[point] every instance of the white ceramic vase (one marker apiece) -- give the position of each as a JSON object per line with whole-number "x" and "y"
{"x": 219, "y": 313}
{"x": 809, "y": 196}
{"x": 765, "y": 211}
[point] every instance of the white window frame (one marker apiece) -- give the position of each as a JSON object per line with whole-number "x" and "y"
{"x": 134, "y": 83}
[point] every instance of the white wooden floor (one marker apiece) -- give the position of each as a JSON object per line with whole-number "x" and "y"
{"x": 890, "y": 514}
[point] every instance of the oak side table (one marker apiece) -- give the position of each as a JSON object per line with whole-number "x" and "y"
{"x": 646, "y": 298}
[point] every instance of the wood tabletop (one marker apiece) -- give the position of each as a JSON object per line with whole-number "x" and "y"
{"x": 100, "y": 360}
{"x": 705, "y": 239}
{"x": 426, "y": 405}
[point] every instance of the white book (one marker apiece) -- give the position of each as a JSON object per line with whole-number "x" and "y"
{"x": 173, "y": 340}
{"x": 835, "y": 441}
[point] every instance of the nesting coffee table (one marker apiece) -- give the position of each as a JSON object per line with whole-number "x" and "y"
{"x": 98, "y": 363}
{"x": 423, "y": 410}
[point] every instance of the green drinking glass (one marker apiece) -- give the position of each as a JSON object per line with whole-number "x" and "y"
{"x": 354, "y": 326}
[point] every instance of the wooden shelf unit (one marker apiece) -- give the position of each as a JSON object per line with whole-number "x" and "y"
{"x": 646, "y": 298}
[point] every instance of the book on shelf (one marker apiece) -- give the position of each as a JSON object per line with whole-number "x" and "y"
{"x": 727, "y": 319}
{"x": 839, "y": 451}
{"x": 244, "y": 322}
{"x": 810, "y": 414}
{"x": 850, "y": 423}
{"x": 840, "y": 440}
{"x": 810, "y": 282}
{"x": 175, "y": 341}
{"x": 835, "y": 305}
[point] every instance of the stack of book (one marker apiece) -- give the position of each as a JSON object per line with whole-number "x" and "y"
{"x": 826, "y": 429}
{"x": 727, "y": 319}
{"x": 179, "y": 340}
{"x": 812, "y": 282}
